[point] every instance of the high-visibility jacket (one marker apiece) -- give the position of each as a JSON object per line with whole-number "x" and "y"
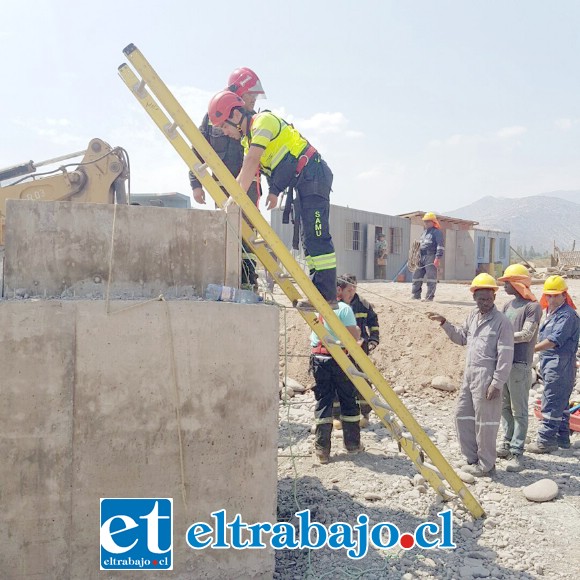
{"x": 282, "y": 145}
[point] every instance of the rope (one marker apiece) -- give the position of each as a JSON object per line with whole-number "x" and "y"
{"x": 177, "y": 401}
{"x": 414, "y": 256}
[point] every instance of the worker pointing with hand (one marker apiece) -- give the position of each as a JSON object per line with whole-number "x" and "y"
{"x": 489, "y": 337}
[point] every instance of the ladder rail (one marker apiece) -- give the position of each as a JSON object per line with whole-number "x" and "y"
{"x": 370, "y": 373}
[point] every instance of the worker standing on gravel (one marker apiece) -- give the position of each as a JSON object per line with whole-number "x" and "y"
{"x": 431, "y": 249}
{"x": 488, "y": 334}
{"x": 524, "y": 313}
{"x": 558, "y": 344}
{"x": 332, "y": 382}
{"x": 245, "y": 83}
{"x": 368, "y": 323}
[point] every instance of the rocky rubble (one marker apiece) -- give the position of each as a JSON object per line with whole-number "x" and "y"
{"x": 518, "y": 538}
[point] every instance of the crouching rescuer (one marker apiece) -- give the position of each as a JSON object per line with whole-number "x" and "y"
{"x": 332, "y": 382}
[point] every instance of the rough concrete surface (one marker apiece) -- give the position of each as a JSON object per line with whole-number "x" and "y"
{"x": 63, "y": 249}
{"x": 89, "y": 411}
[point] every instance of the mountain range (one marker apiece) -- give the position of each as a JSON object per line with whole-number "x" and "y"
{"x": 536, "y": 221}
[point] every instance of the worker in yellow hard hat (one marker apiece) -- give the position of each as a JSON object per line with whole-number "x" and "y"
{"x": 558, "y": 343}
{"x": 524, "y": 313}
{"x": 431, "y": 249}
{"x": 488, "y": 334}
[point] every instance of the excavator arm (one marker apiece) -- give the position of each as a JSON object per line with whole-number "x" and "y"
{"x": 100, "y": 177}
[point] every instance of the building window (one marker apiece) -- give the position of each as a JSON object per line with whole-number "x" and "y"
{"x": 396, "y": 235}
{"x": 480, "y": 248}
{"x": 502, "y": 253}
{"x": 353, "y": 238}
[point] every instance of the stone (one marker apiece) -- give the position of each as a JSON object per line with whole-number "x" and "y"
{"x": 466, "y": 477}
{"x": 494, "y": 496}
{"x": 399, "y": 390}
{"x": 286, "y": 393}
{"x": 443, "y": 383}
{"x": 295, "y": 385}
{"x": 542, "y": 490}
{"x": 418, "y": 479}
{"x": 474, "y": 572}
{"x": 407, "y": 576}
{"x": 369, "y": 496}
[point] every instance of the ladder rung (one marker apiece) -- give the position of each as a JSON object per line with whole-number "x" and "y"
{"x": 356, "y": 373}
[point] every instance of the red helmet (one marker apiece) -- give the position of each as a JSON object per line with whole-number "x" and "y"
{"x": 221, "y": 105}
{"x": 245, "y": 80}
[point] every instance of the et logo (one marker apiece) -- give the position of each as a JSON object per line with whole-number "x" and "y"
{"x": 136, "y": 534}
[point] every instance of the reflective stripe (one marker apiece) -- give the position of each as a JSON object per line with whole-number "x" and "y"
{"x": 505, "y": 348}
{"x": 465, "y": 418}
{"x": 487, "y": 423}
{"x": 361, "y": 314}
{"x": 336, "y": 404}
{"x": 263, "y": 132}
{"x": 323, "y": 262}
{"x": 373, "y": 328}
{"x": 323, "y": 421}
{"x": 248, "y": 256}
{"x": 309, "y": 261}
{"x": 549, "y": 417}
{"x": 350, "y": 419}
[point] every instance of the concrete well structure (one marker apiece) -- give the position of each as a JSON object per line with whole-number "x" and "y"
{"x": 133, "y": 398}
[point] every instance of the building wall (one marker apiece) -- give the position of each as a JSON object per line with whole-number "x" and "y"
{"x": 348, "y": 259}
{"x": 492, "y": 250}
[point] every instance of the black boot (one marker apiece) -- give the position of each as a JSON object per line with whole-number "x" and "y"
{"x": 322, "y": 441}
{"x": 351, "y": 436}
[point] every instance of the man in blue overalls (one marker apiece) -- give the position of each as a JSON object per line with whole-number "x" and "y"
{"x": 431, "y": 252}
{"x": 559, "y": 335}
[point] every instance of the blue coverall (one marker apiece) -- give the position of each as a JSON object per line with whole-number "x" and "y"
{"x": 558, "y": 369}
{"x": 431, "y": 247}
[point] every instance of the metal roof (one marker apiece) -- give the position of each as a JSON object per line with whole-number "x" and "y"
{"x": 440, "y": 217}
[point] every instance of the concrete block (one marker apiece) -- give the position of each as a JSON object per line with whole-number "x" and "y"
{"x": 63, "y": 249}
{"x": 121, "y": 405}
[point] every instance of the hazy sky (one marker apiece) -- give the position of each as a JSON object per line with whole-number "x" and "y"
{"x": 415, "y": 104}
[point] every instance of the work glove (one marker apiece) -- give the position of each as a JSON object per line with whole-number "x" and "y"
{"x": 372, "y": 345}
{"x": 436, "y": 262}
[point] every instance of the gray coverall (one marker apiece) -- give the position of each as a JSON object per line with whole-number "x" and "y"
{"x": 490, "y": 351}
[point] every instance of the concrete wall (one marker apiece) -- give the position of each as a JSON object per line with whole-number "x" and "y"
{"x": 89, "y": 411}
{"x": 63, "y": 249}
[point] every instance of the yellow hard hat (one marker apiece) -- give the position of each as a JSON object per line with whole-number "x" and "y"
{"x": 555, "y": 285}
{"x": 482, "y": 281}
{"x": 429, "y": 217}
{"x": 514, "y": 270}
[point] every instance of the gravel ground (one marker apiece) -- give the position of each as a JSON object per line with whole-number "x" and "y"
{"x": 517, "y": 539}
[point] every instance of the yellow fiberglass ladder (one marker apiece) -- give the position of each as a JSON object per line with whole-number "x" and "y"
{"x": 183, "y": 134}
